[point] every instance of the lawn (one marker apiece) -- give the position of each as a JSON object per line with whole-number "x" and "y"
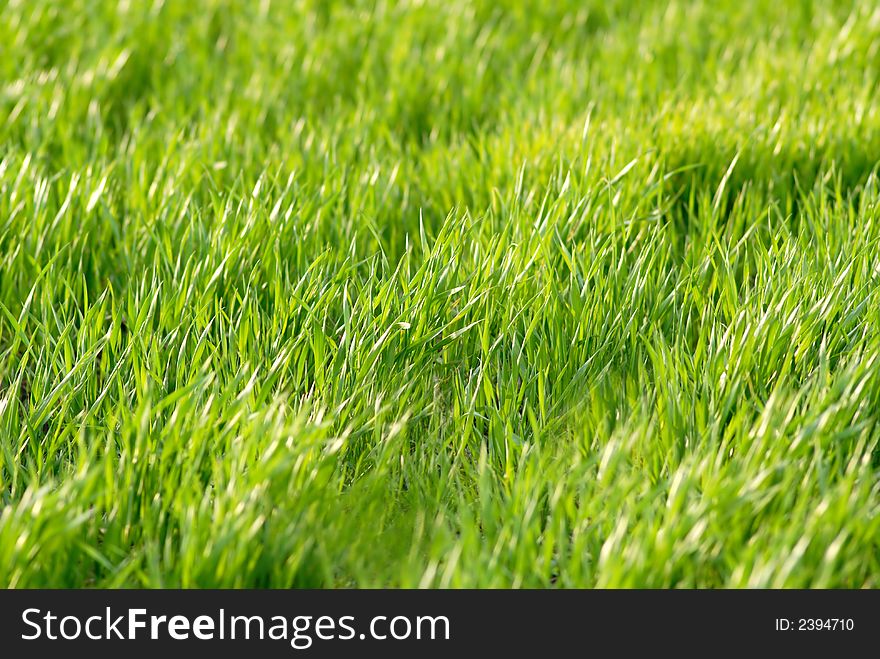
{"x": 440, "y": 293}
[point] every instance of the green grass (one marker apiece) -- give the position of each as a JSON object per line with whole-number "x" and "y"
{"x": 440, "y": 293}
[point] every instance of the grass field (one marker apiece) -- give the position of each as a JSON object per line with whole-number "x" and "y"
{"x": 441, "y": 293}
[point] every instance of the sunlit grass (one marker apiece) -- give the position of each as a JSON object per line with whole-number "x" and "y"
{"x": 439, "y": 293}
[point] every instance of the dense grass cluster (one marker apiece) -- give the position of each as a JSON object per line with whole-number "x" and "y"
{"x": 439, "y": 293}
